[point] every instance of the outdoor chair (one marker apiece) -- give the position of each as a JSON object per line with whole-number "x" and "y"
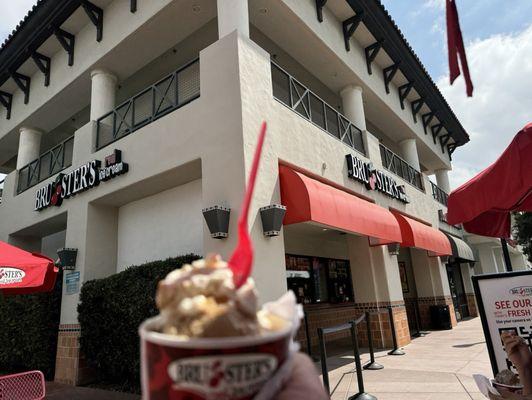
{"x": 24, "y": 386}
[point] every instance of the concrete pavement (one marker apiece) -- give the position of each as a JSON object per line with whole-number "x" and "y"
{"x": 437, "y": 366}
{"x": 57, "y": 391}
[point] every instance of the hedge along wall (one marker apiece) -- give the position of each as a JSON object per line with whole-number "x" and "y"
{"x": 28, "y": 331}
{"x": 110, "y": 312}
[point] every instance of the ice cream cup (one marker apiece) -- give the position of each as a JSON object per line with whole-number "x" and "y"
{"x": 228, "y": 368}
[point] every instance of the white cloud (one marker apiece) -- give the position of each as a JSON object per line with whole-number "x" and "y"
{"x": 501, "y": 70}
{"x": 12, "y": 14}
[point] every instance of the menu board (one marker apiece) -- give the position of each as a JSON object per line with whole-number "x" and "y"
{"x": 504, "y": 303}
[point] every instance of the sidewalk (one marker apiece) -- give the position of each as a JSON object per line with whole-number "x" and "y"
{"x": 57, "y": 391}
{"x": 436, "y": 366}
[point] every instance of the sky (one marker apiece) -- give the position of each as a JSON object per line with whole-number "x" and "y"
{"x": 498, "y": 40}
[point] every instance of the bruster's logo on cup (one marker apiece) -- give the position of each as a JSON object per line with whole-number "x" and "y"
{"x": 232, "y": 375}
{"x": 11, "y": 275}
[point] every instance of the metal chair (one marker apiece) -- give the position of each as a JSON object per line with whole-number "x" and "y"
{"x": 24, "y": 386}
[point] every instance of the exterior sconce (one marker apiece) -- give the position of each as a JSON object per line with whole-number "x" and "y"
{"x": 394, "y": 249}
{"x": 217, "y": 218}
{"x": 272, "y": 219}
{"x": 67, "y": 258}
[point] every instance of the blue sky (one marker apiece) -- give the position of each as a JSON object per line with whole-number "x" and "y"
{"x": 498, "y": 39}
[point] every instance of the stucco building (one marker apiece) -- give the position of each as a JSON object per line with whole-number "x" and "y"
{"x": 355, "y": 128}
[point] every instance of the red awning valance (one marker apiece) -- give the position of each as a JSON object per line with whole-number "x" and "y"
{"x": 421, "y": 236}
{"x": 307, "y": 199}
{"x": 22, "y": 272}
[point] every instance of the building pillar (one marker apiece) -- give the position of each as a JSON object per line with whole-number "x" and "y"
{"x": 29, "y": 146}
{"x": 233, "y": 15}
{"x": 103, "y": 93}
{"x": 432, "y": 285}
{"x": 377, "y": 287}
{"x": 92, "y": 229}
{"x": 409, "y": 152}
{"x": 353, "y": 105}
{"x": 467, "y": 271}
{"x": 442, "y": 180}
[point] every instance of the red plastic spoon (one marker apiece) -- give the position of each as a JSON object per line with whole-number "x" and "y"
{"x": 242, "y": 258}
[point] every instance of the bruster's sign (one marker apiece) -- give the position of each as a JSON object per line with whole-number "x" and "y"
{"x": 373, "y": 179}
{"x": 78, "y": 180}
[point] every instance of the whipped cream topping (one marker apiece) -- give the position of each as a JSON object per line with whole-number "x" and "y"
{"x": 200, "y": 300}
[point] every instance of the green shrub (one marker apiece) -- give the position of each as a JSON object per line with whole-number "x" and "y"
{"x": 110, "y": 312}
{"x": 28, "y": 331}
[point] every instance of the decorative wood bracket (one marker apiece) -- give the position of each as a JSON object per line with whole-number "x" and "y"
{"x": 23, "y": 82}
{"x": 444, "y": 139}
{"x": 95, "y": 14}
{"x": 426, "y": 118}
{"x": 389, "y": 73}
{"x": 6, "y": 99}
{"x": 319, "y": 8}
{"x": 349, "y": 26}
{"x": 403, "y": 92}
{"x": 371, "y": 53}
{"x": 43, "y": 63}
{"x": 436, "y": 129}
{"x": 451, "y": 148}
{"x": 133, "y": 6}
{"x": 68, "y": 42}
{"x": 416, "y": 107}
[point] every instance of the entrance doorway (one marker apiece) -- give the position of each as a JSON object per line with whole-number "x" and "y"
{"x": 456, "y": 284}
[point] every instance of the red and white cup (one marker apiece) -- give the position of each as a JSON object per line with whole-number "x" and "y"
{"x": 229, "y": 368}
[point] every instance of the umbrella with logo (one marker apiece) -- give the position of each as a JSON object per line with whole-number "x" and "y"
{"x": 22, "y": 272}
{"x": 485, "y": 203}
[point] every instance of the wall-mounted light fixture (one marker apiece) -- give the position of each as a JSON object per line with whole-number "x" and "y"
{"x": 67, "y": 258}
{"x": 394, "y": 249}
{"x": 217, "y": 218}
{"x": 272, "y": 219}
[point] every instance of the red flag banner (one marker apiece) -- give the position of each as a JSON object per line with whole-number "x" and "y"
{"x": 455, "y": 47}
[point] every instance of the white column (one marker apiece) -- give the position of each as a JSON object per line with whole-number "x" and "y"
{"x": 233, "y": 15}
{"x": 353, "y": 105}
{"x": 29, "y": 146}
{"x": 103, "y": 92}
{"x": 442, "y": 179}
{"x": 409, "y": 152}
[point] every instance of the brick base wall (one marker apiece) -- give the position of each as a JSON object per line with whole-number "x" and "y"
{"x": 331, "y": 315}
{"x": 70, "y": 367}
{"x": 472, "y": 305}
{"x": 424, "y": 309}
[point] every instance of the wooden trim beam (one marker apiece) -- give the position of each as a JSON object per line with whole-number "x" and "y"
{"x": 426, "y": 118}
{"x": 389, "y": 73}
{"x": 436, "y": 129}
{"x": 349, "y": 27}
{"x": 68, "y": 42}
{"x": 416, "y": 107}
{"x": 23, "y": 83}
{"x": 404, "y": 90}
{"x": 319, "y": 8}
{"x": 6, "y": 99}
{"x": 95, "y": 14}
{"x": 44, "y": 64}
{"x": 371, "y": 53}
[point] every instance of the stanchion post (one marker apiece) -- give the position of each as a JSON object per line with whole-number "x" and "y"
{"x": 372, "y": 365}
{"x": 396, "y": 351}
{"x": 361, "y": 395}
{"x": 323, "y": 359}
{"x": 307, "y": 333}
{"x": 418, "y": 318}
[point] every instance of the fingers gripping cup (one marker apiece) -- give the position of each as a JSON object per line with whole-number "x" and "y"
{"x": 209, "y": 341}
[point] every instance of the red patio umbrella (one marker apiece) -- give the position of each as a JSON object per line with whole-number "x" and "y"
{"x": 483, "y": 204}
{"x": 22, "y": 272}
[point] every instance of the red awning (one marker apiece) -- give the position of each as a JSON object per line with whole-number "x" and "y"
{"x": 307, "y": 199}
{"x": 421, "y": 236}
{"x": 484, "y": 203}
{"x": 22, "y": 272}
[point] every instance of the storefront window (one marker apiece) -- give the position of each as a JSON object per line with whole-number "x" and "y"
{"x": 319, "y": 280}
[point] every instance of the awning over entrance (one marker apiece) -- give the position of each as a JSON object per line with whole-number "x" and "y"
{"x": 309, "y": 200}
{"x": 22, "y": 272}
{"x": 421, "y": 236}
{"x": 461, "y": 250}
